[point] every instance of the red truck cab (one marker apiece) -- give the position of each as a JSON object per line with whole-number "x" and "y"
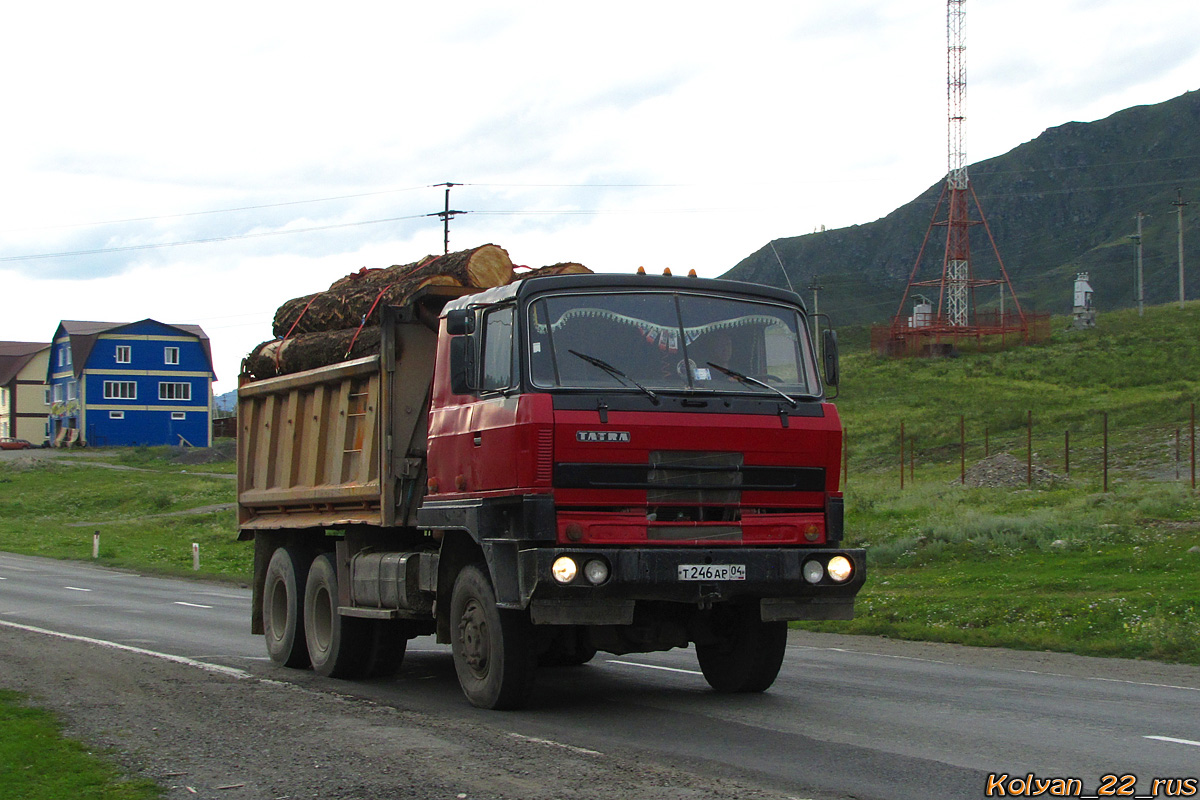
{"x": 634, "y": 463}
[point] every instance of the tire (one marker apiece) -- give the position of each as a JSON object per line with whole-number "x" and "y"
{"x": 388, "y": 642}
{"x": 749, "y": 654}
{"x": 282, "y": 607}
{"x": 338, "y": 646}
{"x": 566, "y": 650}
{"x": 492, "y": 647}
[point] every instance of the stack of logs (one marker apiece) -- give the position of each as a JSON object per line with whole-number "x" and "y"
{"x": 342, "y": 323}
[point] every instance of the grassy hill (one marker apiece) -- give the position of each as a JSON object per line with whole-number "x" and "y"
{"x": 1060, "y": 563}
{"x": 1061, "y": 203}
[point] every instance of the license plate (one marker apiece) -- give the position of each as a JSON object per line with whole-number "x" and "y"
{"x": 712, "y": 572}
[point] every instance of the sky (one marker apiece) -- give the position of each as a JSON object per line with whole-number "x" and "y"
{"x": 203, "y": 163}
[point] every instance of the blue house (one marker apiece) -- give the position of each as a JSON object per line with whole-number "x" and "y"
{"x": 130, "y": 383}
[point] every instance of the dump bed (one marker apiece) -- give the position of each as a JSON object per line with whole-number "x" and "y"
{"x": 343, "y": 444}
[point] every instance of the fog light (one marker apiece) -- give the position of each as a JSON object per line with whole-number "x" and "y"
{"x": 564, "y": 569}
{"x": 596, "y": 571}
{"x": 840, "y": 569}
{"x": 813, "y": 571}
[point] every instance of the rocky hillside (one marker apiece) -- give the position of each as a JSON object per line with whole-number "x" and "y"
{"x": 1062, "y": 203}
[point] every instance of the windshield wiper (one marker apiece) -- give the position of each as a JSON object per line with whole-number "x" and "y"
{"x": 616, "y": 373}
{"x": 733, "y": 373}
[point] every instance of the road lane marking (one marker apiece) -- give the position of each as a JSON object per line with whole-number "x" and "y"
{"x": 76, "y": 589}
{"x": 552, "y": 743}
{"x": 190, "y": 605}
{"x": 231, "y": 672}
{"x": 653, "y": 666}
{"x": 1173, "y": 740}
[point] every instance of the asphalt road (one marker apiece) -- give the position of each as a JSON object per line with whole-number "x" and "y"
{"x": 848, "y": 717}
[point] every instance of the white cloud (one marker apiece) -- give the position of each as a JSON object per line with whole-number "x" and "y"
{"x": 694, "y": 134}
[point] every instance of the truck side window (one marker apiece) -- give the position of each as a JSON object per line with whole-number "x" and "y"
{"x": 497, "y": 349}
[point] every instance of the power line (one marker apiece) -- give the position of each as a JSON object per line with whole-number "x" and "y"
{"x": 127, "y": 248}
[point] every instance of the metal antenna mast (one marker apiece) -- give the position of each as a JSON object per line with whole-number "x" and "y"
{"x": 957, "y": 265}
{"x": 956, "y": 317}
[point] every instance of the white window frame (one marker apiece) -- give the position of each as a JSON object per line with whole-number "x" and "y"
{"x": 72, "y": 390}
{"x": 171, "y": 355}
{"x": 170, "y": 390}
{"x": 178, "y": 415}
{"x": 124, "y": 354}
{"x": 58, "y": 392}
{"x": 116, "y": 390}
{"x": 116, "y": 415}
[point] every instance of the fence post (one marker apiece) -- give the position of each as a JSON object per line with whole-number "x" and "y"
{"x": 1106, "y": 451}
{"x": 902, "y": 455}
{"x": 962, "y": 450}
{"x": 96, "y": 544}
{"x": 1029, "y": 449}
{"x": 1067, "y": 452}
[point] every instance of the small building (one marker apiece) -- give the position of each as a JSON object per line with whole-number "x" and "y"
{"x": 24, "y": 397}
{"x": 130, "y": 383}
{"x": 1083, "y": 314}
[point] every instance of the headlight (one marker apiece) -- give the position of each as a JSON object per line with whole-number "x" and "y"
{"x": 596, "y": 571}
{"x": 564, "y": 569}
{"x": 813, "y": 571}
{"x": 840, "y": 569}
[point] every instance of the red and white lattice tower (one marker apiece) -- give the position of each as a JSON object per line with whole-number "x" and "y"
{"x": 955, "y": 317}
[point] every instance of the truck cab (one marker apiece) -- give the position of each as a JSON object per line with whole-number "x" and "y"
{"x": 644, "y": 462}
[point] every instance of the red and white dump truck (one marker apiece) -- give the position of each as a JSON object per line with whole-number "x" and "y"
{"x": 544, "y": 470}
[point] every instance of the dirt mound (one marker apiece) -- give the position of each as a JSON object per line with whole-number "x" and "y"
{"x": 1004, "y": 469}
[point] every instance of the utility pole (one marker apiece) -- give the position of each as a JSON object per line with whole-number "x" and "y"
{"x": 815, "y": 286}
{"x": 446, "y": 216}
{"x": 1137, "y": 238}
{"x": 1179, "y": 204}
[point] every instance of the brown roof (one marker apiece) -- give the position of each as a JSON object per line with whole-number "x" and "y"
{"x": 15, "y": 355}
{"x": 84, "y": 333}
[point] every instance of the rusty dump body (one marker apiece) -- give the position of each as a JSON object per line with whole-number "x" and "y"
{"x": 344, "y": 444}
{"x": 546, "y": 469}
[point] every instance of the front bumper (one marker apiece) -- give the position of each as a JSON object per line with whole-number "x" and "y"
{"x": 772, "y": 575}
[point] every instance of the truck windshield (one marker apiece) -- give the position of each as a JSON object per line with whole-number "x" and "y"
{"x": 663, "y": 341}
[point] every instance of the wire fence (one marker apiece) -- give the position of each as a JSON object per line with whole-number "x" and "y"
{"x": 1155, "y": 451}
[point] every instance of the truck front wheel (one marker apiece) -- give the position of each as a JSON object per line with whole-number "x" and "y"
{"x": 492, "y": 647}
{"x": 747, "y": 654}
{"x": 337, "y": 645}
{"x": 282, "y": 605}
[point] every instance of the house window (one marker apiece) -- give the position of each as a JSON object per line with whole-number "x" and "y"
{"x": 58, "y": 392}
{"x": 123, "y": 354}
{"x": 62, "y": 356}
{"x": 116, "y": 415}
{"x": 68, "y": 349}
{"x": 171, "y": 355}
{"x": 72, "y": 390}
{"x": 47, "y": 395}
{"x": 178, "y": 415}
{"x": 120, "y": 390}
{"x": 174, "y": 391}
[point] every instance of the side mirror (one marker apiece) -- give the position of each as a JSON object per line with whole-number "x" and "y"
{"x": 460, "y": 322}
{"x": 462, "y": 364}
{"x": 829, "y": 356}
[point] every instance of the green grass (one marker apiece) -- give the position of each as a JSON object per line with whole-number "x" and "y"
{"x": 38, "y": 763}
{"x": 1065, "y": 566}
{"x": 53, "y": 510}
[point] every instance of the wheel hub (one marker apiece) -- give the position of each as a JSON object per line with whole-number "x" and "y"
{"x": 473, "y": 634}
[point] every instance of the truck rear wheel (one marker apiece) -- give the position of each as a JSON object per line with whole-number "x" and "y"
{"x": 282, "y": 607}
{"x": 749, "y": 654}
{"x": 337, "y": 645}
{"x": 492, "y": 647}
{"x": 388, "y": 642}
